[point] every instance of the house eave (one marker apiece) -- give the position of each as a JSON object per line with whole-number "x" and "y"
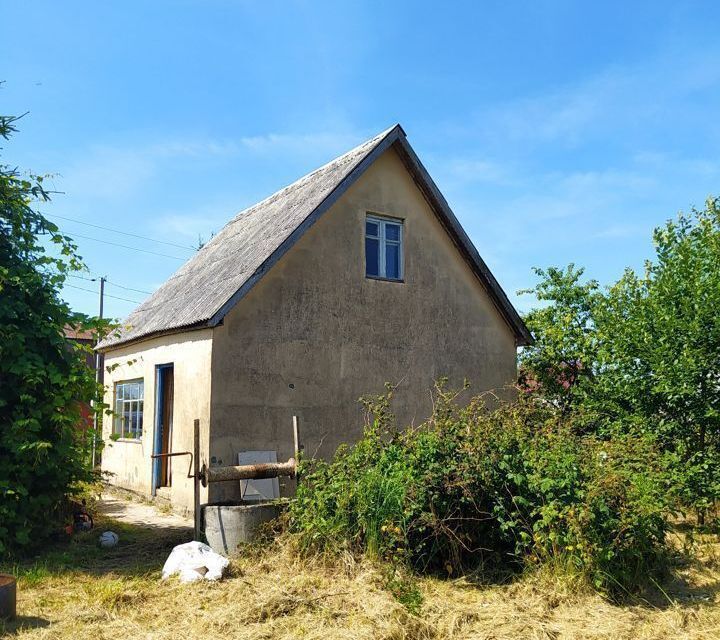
{"x": 121, "y": 344}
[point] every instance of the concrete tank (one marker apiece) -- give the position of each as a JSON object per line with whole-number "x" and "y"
{"x": 230, "y": 524}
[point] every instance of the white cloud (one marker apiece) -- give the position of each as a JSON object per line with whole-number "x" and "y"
{"x": 467, "y": 171}
{"x": 120, "y": 171}
{"x": 623, "y": 98}
{"x": 193, "y": 225}
{"x": 302, "y": 144}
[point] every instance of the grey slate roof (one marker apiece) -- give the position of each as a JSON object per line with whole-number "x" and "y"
{"x": 206, "y": 287}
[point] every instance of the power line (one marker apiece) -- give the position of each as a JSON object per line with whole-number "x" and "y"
{"x": 115, "y": 284}
{"x": 122, "y": 286}
{"x": 125, "y": 233}
{"x": 107, "y": 295}
{"x": 124, "y": 246}
{"x": 72, "y": 275}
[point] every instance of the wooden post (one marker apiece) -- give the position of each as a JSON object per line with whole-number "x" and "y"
{"x": 196, "y": 479}
{"x": 296, "y": 440}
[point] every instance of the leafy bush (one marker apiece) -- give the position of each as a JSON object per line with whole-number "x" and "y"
{"x": 511, "y": 487}
{"x": 43, "y": 378}
{"x": 645, "y": 352}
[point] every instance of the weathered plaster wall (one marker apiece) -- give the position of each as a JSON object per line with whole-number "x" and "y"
{"x": 315, "y": 333}
{"x": 129, "y": 460}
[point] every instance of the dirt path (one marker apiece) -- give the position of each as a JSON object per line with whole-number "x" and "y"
{"x": 139, "y": 513}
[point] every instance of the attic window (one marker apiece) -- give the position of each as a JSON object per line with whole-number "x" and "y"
{"x": 383, "y": 248}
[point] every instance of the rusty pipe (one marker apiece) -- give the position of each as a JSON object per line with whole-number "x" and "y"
{"x": 178, "y": 453}
{"x": 258, "y": 471}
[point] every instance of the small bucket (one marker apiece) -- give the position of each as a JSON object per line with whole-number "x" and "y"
{"x": 8, "y": 597}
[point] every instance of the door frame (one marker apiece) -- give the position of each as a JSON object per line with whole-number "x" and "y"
{"x": 161, "y": 371}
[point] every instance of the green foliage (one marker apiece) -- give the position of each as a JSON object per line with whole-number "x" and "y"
{"x": 662, "y": 358}
{"x": 649, "y": 349}
{"x": 404, "y": 589}
{"x": 514, "y": 486}
{"x": 560, "y": 362}
{"x": 43, "y": 377}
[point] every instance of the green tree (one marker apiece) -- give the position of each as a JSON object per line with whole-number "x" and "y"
{"x": 643, "y": 356}
{"x": 43, "y": 377}
{"x": 561, "y": 362}
{"x": 659, "y": 355}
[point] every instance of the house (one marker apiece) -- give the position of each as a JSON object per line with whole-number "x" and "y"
{"x": 356, "y": 274}
{"x": 86, "y": 339}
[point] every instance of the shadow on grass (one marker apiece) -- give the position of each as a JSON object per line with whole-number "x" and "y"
{"x": 21, "y": 623}
{"x": 142, "y": 549}
{"x": 690, "y": 580}
{"x": 686, "y": 578}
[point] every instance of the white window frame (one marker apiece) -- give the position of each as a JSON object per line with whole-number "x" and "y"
{"x": 120, "y": 428}
{"x": 382, "y": 243}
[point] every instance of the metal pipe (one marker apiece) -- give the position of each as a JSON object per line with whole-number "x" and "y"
{"x": 258, "y": 471}
{"x": 177, "y": 453}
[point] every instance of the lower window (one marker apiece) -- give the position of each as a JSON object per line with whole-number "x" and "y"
{"x": 129, "y": 400}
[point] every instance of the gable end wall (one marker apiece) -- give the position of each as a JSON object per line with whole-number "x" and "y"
{"x": 315, "y": 334}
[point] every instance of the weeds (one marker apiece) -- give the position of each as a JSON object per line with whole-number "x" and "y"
{"x": 515, "y": 487}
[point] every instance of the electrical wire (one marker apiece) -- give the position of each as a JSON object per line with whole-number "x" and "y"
{"x": 72, "y": 275}
{"x": 125, "y": 233}
{"x": 124, "y": 246}
{"x": 107, "y": 295}
{"x": 114, "y": 284}
{"x": 122, "y": 286}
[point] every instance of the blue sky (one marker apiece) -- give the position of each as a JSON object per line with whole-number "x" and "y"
{"x": 558, "y": 131}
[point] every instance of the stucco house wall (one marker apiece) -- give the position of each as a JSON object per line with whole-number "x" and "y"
{"x": 314, "y": 334}
{"x": 128, "y": 461}
{"x": 275, "y": 317}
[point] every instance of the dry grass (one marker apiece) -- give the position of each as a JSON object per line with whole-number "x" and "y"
{"x": 78, "y": 590}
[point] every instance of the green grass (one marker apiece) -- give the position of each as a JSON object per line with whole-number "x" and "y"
{"x": 75, "y": 589}
{"x": 138, "y": 552}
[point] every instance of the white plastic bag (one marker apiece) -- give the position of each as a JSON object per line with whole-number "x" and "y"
{"x": 194, "y": 561}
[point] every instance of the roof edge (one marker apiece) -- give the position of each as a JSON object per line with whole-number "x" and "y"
{"x": 196, "y": 326}
{"x": 393, "y": 135}
{"x": 397, "y": 138}
{"x": 438, "y": 202}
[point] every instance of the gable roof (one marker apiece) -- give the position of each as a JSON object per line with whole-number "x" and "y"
{"x": 207, "y": 286}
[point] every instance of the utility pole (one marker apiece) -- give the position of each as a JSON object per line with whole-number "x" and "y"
{"x": 98, "y": 371}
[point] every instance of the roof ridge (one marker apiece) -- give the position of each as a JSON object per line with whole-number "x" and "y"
{"x": 204, "y": 284}
{"x": 369, "y": 142}
{"x": 204, "y": 289}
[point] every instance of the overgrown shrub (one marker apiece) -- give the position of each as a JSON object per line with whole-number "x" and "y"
{"x": 643, "y": 352}
{"x": 504, "y": 488}
{"x": 43, "y": 377}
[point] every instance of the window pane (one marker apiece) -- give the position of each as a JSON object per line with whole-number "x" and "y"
{"x": 140, "y": 418}
{"x": 130, "y": 424}
{"x": 135, "y": 419}
{"x": 392, "y": 232}
{"x": 126, "y": 425}
{"x": 117, "y": 418}
{"x": 372, "y": 257}
{"x": 392, "y": 261}
{"x": 371, "y": 228}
